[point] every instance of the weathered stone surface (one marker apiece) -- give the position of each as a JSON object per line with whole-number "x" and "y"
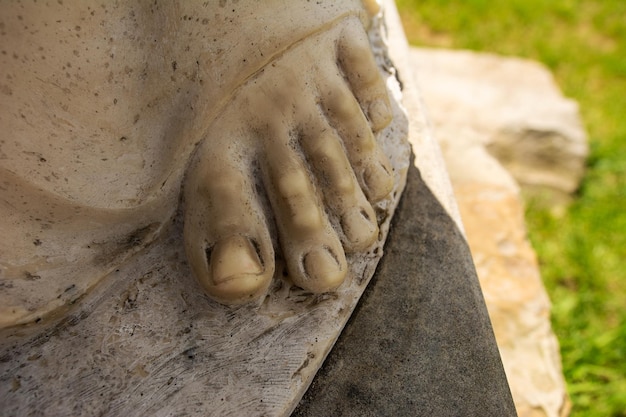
{"x": 251, "y": 146}
{"x": 514, "y": 108}
{"x": 492, "y": 212}
{"x": 147, "y": 341}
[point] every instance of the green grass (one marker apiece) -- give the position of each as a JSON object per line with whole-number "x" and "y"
{"x": 582, "y": 251}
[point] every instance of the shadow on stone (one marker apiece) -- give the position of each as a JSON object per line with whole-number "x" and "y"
{"x": 420, "y": 342}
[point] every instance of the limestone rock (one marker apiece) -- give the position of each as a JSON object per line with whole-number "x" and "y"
{"x": 492, "y": 211}
{"x": 514, "y": 108}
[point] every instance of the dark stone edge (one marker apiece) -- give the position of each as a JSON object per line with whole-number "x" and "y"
{"x": 420, "y": 342}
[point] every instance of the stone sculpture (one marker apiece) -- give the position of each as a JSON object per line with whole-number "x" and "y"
{"x": 262, "y": 115}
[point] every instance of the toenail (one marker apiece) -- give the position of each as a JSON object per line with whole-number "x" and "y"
{"x": 358, "y": 228}
{"x": 323, "y": 269}
{"x": 380, "y": 114}
{"x": 234, "y": 257}
{"x": 378, "y": 181}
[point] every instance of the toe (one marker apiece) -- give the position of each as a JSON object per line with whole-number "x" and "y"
{"x": 226, "y": 237}
{"x": 370, "y": 164}
{"x": 378, "y": 177}
{"x": 360, "y": 228}
{"x": 313, "y": 252}
{"x": 342, "y": 194}
{"x": 359, "y": 66}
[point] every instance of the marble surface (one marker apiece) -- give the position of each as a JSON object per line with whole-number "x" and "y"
{"x": 147, "y": 341}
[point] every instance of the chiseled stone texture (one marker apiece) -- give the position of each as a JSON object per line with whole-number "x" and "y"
{"x": 514, "y": 108}
{"x": 492, "y": 212}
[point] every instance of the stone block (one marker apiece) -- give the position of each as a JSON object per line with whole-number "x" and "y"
{"x": 514, "y": 108}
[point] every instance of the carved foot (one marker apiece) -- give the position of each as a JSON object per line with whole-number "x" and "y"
{"x": 291, "y": 161}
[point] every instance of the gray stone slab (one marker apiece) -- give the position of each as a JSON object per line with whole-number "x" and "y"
{"x": 420, "y": 342}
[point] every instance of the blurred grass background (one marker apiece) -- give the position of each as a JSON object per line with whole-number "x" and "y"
{"x": 582, "y": 250}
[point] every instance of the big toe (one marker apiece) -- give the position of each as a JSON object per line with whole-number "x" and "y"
{"x": 226, "y": 236}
